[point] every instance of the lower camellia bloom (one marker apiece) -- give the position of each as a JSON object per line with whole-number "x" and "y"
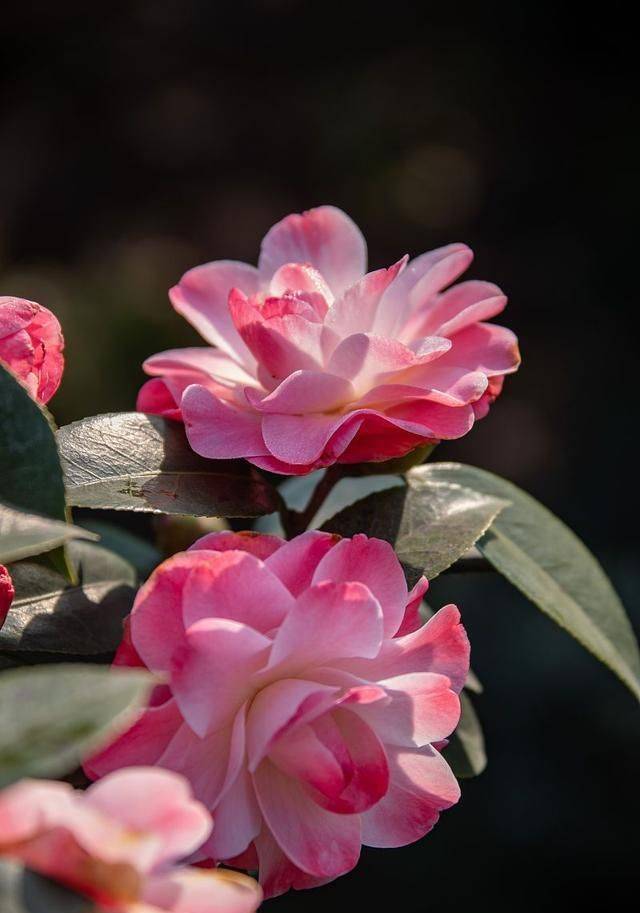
{"x": 117, "y": 843}
{"x": 313, "y": 361}
{"x": 31, "y": 345}
{"x": 304, "y": 699}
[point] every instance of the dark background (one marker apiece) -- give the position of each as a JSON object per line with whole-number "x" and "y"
{"x": 140, "y": 139}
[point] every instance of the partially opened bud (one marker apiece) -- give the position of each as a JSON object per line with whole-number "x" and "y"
{"x": 31, "y": 345}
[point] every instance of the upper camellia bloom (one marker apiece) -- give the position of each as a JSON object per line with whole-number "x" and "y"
{"x": 116, "y": 843}
{"x": 304, "y": 700}
{"x": 31, "y": 345}
{"x": 317, "y": 361}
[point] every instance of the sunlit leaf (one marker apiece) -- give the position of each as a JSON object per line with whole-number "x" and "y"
{"x": 131, "y": 461}
{"x": 23, "y": 534}
{"x": 546, "y": 561}
{"x": 430, "y": 523}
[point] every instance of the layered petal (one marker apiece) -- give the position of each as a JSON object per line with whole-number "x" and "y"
{"x": 202, "y": 297}
{"x": 225, "y": 654}
{"x": 317, "y": 841}
{"x": 200, "y": 891}
{"x": 421, "y": 786}
{"x": 325, "y": 237}
{"x": 373, "y": 563}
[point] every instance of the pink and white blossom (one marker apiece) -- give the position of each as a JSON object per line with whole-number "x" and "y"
{"x": 118, "y": 842}
{"x": 310, "y": 360}
{"x": 31, "y": 345}
{"x": 304, "y": 699}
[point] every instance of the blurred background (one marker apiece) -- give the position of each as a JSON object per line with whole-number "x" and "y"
{"x": 142, "y": 138}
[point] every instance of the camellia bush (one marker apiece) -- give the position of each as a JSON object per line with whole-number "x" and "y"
{"x": 261, "y": 690}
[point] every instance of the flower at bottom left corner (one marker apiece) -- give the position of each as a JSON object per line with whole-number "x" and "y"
{"x": 119, "y": 843}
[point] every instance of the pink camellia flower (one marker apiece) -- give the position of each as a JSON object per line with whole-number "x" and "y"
{"x": 116, "y": 843}
{"x": 7, "y": 592}
{"x": 31, "y": 344}
{"x": 304, "y": 700}
{"x": 314, "y": 361}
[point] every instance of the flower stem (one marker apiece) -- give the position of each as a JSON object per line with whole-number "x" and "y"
{"x": 296, "y": 522}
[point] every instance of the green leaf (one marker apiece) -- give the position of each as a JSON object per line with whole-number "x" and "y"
{"x": 23, "y": 535}
{"x": 24, "y": 891}
{"x": 544, "y": 559}
{"x": 137, "y": 551}
{"x": 131, "y": 461}
{"x": 65, "y": 712}
{"x": 429, "y": 523}
{"x": 465, "y": 752}
{"x": 50, "y": 616}
{"x": 30, "y": 472}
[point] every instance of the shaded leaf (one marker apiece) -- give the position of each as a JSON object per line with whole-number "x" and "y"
{"x": 541, "y": 556}
{"x": 50, "y": 616}
{"x": 429, "y": 523}
{"x": 137, "y": 551}
{"x": 23, "y": 535}
{"x": 65, "y": 711}
{"x": 24, "y": 891}
{"x": 465, "y": 752}
{"x": 131, "y": 461}
{"x": 30, "y": 472}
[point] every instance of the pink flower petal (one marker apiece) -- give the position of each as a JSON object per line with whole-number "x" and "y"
{"x": 325, "y": 238}
{"x": 192, "y": 890}
{"x": 281, "y": 707}
{"x": 147, "y": 799}
{"x": 304, "y": 391}
{"x": 484, "y": 347}
{"x": 157, "y": 627}
{"x": 261, "y": 545}
{"x": 422, "y": 785}
{"x": 144, "y": 743}
{"x": 411, "y": 620}
{"x": 422, "y": 709}
{"x": 193, "y": 361}
{"x": 277, "y": 873}
{"x": 219, "y": 431}
{"x": 238, "y": 586}
{"x": 300, "y": 277}
{"x": 212, "y": 763}
{"x": 364, "y": 758}
{"x": 155, "y": 398}
{"x": 225, "y": 654}
{"x": 329, "y": 621}
{"x": 284, "y": 339}
{"x": 441, "y": 645}
{"x": 202, "y": 297}
{"x": 302, "y": 755}
{"x": 373, "y": 563}
{"x": 295, "y": 563}
{"x": 356, "y": 310}
{"x": 317, "y": 841}
{"x": 237, "y": 820}
{"x": 304, "y": 439}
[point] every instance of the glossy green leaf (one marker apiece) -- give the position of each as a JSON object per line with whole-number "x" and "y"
{"x": 23, "y": 534}
{"x": 24, "y": 891}
{"x": 51, "y": 716}
{"x": 465, "y": 752}
{"x": 541, "y": 556}
{"x": 429, "y": 523}
{"x": 48, "y": 615}
{"x": 30, "y": 472}
{"x": 131, "y": 461}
